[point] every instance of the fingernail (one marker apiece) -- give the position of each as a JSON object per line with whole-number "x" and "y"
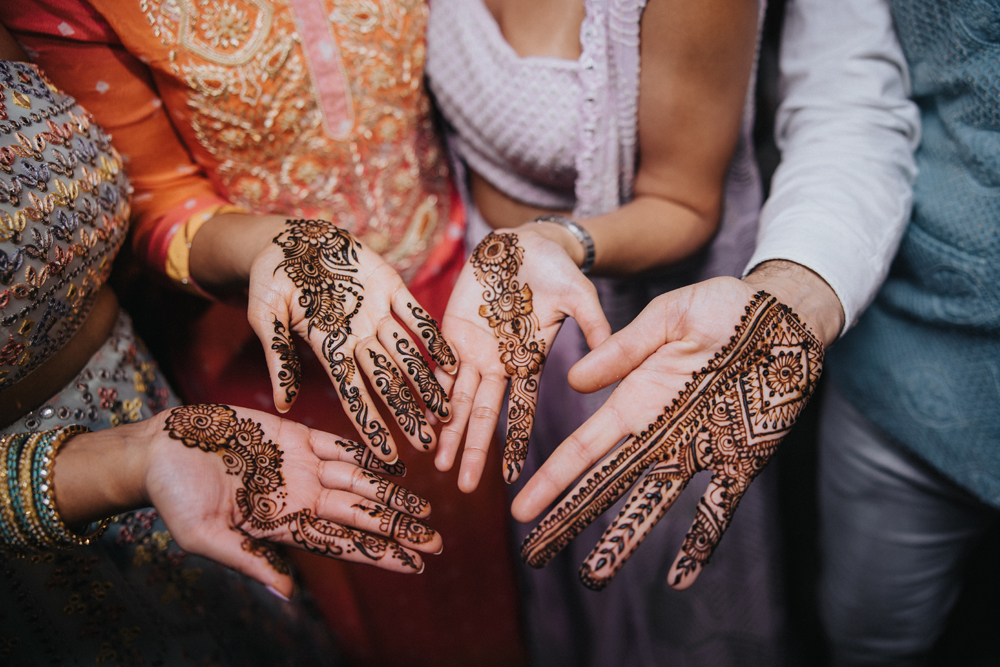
{"x": 276, "y": 593}
{"x": 393, "y": 461}
{"x": 440, "y": 551}
{"x": 422, "y": 566}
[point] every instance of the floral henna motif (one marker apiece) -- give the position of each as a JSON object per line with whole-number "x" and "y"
{"x": 290, "y": 375}
{"x": 729, "y": 420}
{"x": 261, "y": 498}
{"x": 509, "y": 312}
{"x": 321, "y": 260}
{"x": 430, "y": 389}
{"x": 436, "y": 345}
{"x": 398, "y": 525}
{"x": 392, "y": 385}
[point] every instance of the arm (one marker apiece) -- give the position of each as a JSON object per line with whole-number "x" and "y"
{"x": 226, "y": 480}
{"x": 696, "y": 61}
{"x": 841, "y": 197}
{"x": 840, "y": 200}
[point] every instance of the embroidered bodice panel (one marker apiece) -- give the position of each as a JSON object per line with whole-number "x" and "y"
{"x": 64, "y": 208}
{"x": 515, "y": 118}
{"x": 306, "y": 108}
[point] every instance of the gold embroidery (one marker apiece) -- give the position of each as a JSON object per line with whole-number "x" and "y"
{"x": 253, "y": 107}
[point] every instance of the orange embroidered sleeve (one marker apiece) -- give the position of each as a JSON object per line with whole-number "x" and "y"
{"x": 80, "y": 54}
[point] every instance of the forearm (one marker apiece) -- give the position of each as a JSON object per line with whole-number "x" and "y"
{"x": 645, "y": 234}
{"x": 805, "y": 292}
{"x": 223, "y": 250}
{"x": 101, "y": 474}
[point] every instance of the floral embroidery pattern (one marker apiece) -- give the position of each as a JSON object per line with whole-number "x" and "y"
{"x": 255, "y": 109}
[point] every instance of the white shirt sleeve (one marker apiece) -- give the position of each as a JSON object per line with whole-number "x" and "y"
{"x": 841, "y": 197}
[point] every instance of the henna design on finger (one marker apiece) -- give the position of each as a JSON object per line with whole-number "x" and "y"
{"x": 398, "y": 525}
{"x": 436, "y": 345}
{"x": 262, "y": 549}
{"x": 364, "y": 457}
{"x": 261, "y": 497}
{"x": 509, "y": 312}
{"x": 430, "y": 389}
{"x": 395, "y": 495}
{"x": 729, "y": 419}
{"x": 392, "y": 385}
{"x": 321, "y": 260}
{"x": 290, "y": 375}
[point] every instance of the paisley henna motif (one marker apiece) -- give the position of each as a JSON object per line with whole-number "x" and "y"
{"x": 509, "y": 312}
{"x": 392, "y": 385}
{"x": 436, "y": 345}
{"x": 290, "y": 375}
{"x": 321, "y": 260}
{"x": 729, "y": 419}
{"x": 430, "y": 389}
{"x": 261, "y": 499}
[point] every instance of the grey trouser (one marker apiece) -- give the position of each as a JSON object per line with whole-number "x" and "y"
{"x": 894, "y": 535}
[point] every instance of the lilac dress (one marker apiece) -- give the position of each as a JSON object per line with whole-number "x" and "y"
{"x": 561, "y": 134}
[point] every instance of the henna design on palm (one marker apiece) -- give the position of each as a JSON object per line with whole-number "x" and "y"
{"x": 321, "y": 260}
{"x": 436, "y": 345}
{"x": 261, "y": 498}
{"x": 398, "y": 525}
{"x": 392, "y": 385}
{"x": 729, "y": 419}
{"x": 290, "y": 375}
{"x": 430, "y": 389}
{"x": 396, "y": 496}
{"x": 508, "y": 310}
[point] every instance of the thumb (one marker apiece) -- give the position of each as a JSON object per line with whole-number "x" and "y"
{"x": 623, "y": 352}
{"x": 586, "y": 310}
{"x": 247, "y": 555}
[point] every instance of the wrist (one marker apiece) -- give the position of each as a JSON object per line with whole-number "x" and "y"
{"x": 805, "y": 292}
{"x": 225, "y": 248}
{"x": 103, "y": 473}
{"x": 571, "y": 237}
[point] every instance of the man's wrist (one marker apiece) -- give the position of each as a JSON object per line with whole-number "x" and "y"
{"x": 805, "y": 292}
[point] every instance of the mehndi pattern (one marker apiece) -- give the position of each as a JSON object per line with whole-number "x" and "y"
{"x": 509, "y": 312}
{"x": 729, "y": 420}
{"x": 257, "y": 461}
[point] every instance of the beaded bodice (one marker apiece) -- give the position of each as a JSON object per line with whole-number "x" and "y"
{"x": 64, "y": 208}
{"x": 306, "y": 108}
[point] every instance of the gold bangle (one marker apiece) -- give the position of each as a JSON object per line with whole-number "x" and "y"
{"x": 31, "y": 525}
{"x": 13, "y": 538}
{"x": 61, "y": 532}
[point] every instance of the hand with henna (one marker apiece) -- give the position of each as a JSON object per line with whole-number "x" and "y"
{"x": 318, "y": 281}
{"x": 715, "y": 375}
{"x": 503, "y": 316}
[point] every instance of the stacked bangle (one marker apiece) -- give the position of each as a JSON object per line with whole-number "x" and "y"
{"x": 29, "y": 518}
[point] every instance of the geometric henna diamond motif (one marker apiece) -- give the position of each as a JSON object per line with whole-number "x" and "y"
{"x": 772, "y": 391}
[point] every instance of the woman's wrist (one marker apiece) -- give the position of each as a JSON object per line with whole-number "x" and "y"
{"x": 560, "y": 235}
{"x": 225, "y": 248}
{"x": 99, "y": 474}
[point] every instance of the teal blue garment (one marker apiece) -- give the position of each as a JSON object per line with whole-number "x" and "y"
{"x": 923, "y": 364}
